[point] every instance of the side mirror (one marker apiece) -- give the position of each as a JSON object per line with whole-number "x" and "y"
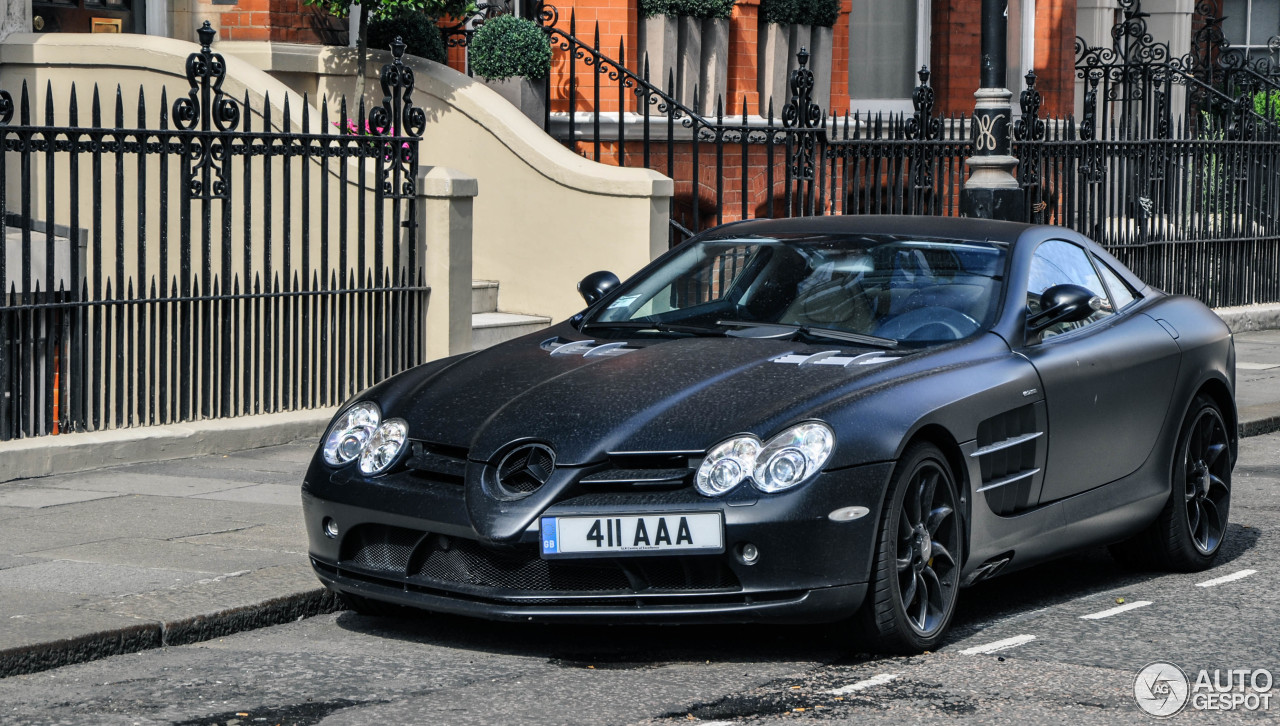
{"x": 597, "y": 285}
{"x": 1063, "y": 304}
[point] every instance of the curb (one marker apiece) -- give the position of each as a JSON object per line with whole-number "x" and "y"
{"x": 184, "y": 631}
{"x": 72, "y": 453}
{"x": 1248, "y": 318}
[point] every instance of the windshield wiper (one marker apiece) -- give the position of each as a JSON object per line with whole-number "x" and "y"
{"x": 660, "y": 327}
{"x": 832, "y": 334}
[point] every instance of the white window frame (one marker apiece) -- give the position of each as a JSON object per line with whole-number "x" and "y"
{"x": 1253, "y": 50}
{"x": 924, "y": 36}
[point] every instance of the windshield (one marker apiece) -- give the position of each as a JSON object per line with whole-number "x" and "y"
{"x": 910, "y": 289}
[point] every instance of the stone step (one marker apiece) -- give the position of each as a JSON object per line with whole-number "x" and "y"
{"x": 484, "y": 296}
{"x": 492, "y": 328}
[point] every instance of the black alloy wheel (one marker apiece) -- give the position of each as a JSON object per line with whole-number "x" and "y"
{"x": 1206, "y": 471}
{"x": 1190, "y": 530}
{"x": 917, "y": 575}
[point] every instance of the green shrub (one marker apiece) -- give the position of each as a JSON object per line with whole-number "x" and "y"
{"x": 508, "y": 46}
{"x": 420, "y": 35}
{"x": 819, "y": 13}
{"x": 782, "y": 12}
{"x": 1267, "y": 105}
{"x": 651, "y": 8}
{"x": 703, "y": 8}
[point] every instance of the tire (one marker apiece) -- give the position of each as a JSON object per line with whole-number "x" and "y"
{"x": 1189, "y": 532}
{"x": 915, "y": 578}
{"x": 373, "y": 608}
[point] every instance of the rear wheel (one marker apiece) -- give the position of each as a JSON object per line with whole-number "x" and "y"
{"x": 916, "y": 577}
{"x": 1189, "y": 532}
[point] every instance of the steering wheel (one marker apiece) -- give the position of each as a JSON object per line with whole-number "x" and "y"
{"x": 930, "y": 323}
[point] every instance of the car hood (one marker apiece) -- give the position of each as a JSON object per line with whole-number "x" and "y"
{"x": 682, "y": 394}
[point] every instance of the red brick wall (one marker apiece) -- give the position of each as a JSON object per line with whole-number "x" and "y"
{"x": 957, "y": 46}
{"x": 1055, "y": 55}
{"x": 286, "y": 21}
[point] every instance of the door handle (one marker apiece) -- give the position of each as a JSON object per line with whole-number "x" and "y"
{"x": 37, "y": 22}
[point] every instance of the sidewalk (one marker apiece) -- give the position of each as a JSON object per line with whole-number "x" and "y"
{"x": 165, "y": 553}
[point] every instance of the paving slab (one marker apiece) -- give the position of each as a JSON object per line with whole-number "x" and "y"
{"x": 283, "y": 494}
{"x": 91, "y": 578}
{"x": 282, "y": 537}
{"x": 37, "y": 497}
{"x": 204, "y": 559}
{"x": 131, "y": 483}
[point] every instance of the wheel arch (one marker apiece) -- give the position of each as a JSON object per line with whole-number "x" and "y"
{"x": 941, "y": 437}
{"x": 1218, "y": 392}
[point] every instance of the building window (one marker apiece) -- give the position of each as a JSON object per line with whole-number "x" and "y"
{"x": 1250, "y": 24}
{"x": 888, "y": 42}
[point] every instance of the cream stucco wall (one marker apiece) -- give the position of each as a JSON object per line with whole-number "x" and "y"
{"x": 544, "y": 217}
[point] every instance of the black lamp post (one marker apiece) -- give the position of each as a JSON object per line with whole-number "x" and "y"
{"x": 992, "y": 192}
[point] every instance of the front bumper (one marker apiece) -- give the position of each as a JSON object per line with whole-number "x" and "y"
{"x": 404, "y": 542}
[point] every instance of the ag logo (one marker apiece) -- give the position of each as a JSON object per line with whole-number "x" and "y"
{"x": 1161, "y": 689}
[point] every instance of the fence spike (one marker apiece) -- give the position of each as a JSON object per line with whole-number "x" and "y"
{"x": 164, "y": 108}
{"x": 119, "y": 107}
{"x": 142, "y": 112}
{"x": 24, "y": 113}
{"x": 48, "y": 104}
{"x": 248, "y": 115}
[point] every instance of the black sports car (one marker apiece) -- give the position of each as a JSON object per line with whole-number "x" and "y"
{"x": 824, "y": 419}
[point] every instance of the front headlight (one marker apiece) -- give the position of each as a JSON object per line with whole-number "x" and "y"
{"x": 381, "y": 451}
{"x": 727, "y": 465}
{"x": 786, "y": 460}
{"x": 349, "y": 434}
{"x": 793, "y": 456}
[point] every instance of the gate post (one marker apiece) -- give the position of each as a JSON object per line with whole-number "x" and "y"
{"x": 992, "y": 192}
{"x": 443, "y": 237}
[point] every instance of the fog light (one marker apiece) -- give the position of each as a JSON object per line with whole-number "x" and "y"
{"x": 330, "y": 528}
{"x": 749, "y": 553}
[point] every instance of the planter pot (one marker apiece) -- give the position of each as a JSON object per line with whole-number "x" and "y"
{"x": 771, "y": 75}
{"x": 689, "y": 63}
{"x": 820, "y": 63}
{"x": 525, "y": 94}
{"x": 801, "y": 37}
{"x": 715, "y": 64}
{"x": 657, "y": 42}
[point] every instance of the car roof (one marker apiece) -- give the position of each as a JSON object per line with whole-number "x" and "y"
{"x": 954, "y": 227}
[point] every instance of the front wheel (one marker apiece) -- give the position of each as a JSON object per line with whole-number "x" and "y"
{"x": 1189, "y": 532}
{"x": 916, "y": 578}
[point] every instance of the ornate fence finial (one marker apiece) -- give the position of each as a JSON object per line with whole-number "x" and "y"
{"x": 398, "y": 117}
{"x": 6, "y": 108}
{"x": 207, "y": 34}
{"x": 1030, "y": 127}
{"x": 803, "y": 115}
{"x": 207, "y": 110}
{"x": 923, "y": 125}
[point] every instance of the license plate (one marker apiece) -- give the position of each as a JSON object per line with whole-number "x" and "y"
{"x": 632, "y": 534}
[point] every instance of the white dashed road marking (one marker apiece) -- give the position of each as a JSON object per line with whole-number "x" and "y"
{"x": 1227, "y": 578}
{"x": 998, "y": 645}
{"x": 1117, "y": 610}
{"x": 877, "y": 680}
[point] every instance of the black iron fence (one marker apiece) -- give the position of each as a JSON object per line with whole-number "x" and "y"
{"x": 205, "y": 258}
{"x": 1173, "y": 166}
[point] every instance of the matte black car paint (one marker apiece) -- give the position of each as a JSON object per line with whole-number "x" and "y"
{"x": 1104, "y": 458}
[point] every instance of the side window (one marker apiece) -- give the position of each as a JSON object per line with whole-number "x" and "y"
{"x": 1058, "y": 263}
{"x": 1120, "y": 290}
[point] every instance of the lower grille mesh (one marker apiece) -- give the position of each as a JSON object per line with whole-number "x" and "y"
{"x": 432, "y": 558}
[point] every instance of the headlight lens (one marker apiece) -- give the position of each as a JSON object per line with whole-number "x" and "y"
{"x": 350, "y": 433}
{"x": 727, "y": 465}
{"x": 793, "y": 456}
{"x": 382, "y": 450}
{"x": 788, "y": 459}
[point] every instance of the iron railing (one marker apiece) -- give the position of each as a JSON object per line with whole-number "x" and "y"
{"x": 213, "y": 259}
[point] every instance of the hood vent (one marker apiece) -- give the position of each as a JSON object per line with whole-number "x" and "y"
{"x": 834, "y": 358}
{"x": 584, "y": 348}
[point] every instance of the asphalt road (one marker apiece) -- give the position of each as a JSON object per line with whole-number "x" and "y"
{"x": 1055, "y": 665}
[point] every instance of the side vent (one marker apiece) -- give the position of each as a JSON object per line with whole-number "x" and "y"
{"x": 1007, "y": 456}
